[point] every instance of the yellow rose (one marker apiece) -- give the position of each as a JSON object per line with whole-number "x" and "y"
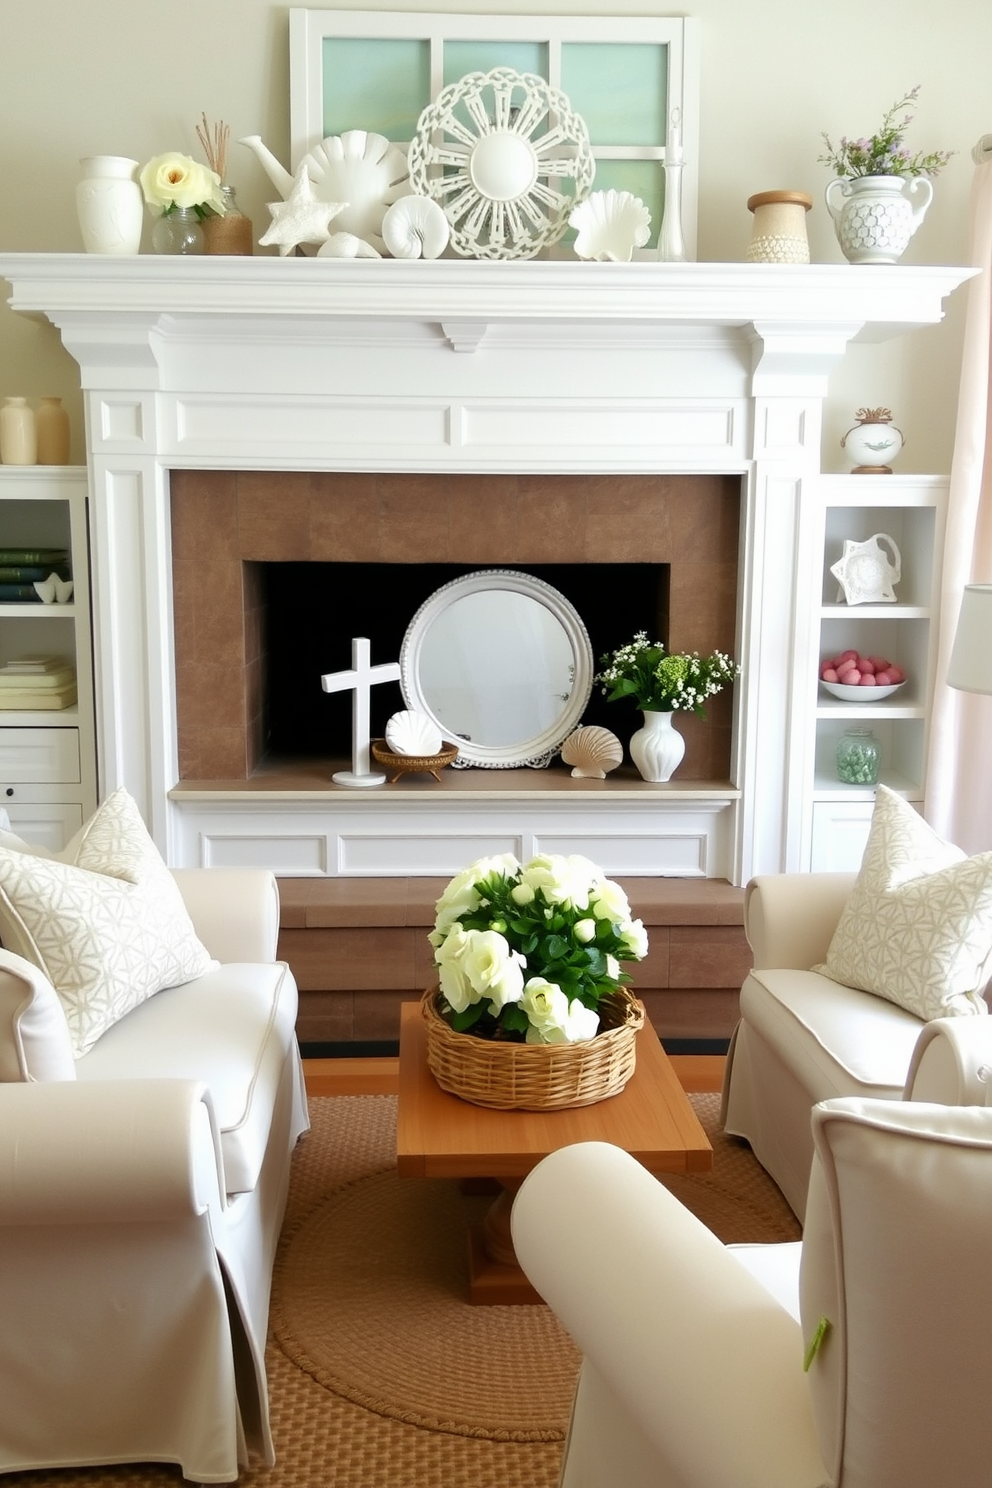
{"x": 174, "y": 180}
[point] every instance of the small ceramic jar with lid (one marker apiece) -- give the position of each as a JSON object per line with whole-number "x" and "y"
{"x": 873, "y": 442}
{"x": 18, "y": 435}
{"x": 778, "y": 234}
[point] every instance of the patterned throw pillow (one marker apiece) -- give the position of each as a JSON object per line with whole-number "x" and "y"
{"x": 917, "y": 928}
{"x": 104, "y": 920}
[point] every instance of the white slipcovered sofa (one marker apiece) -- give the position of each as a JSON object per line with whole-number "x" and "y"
{"x": 804, "y": 1037}
{"x": 142, "y": 1188}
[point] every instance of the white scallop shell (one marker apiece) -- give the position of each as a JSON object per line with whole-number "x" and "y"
{"x": 415, "y": 227}
{"x": 592, "y": 751}
{"x": 611, "y": 224}
{"x": 346, "y": 245}
{"x": 414, "y": 733}
{"x": 363, "y": 169}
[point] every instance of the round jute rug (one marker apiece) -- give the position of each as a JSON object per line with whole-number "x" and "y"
{"x": 370, "y": 1301}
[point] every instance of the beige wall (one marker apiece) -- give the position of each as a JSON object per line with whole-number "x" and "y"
{"x": 131, "y": 77}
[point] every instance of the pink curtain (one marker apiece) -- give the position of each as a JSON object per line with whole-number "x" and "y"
{"x": 959, "y": 770}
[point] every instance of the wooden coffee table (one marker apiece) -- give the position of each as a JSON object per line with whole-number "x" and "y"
{"x": 440, "y": 1136}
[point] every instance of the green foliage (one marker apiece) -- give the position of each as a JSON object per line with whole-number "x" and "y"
{"x": 884, "y": 153}
{"x": 661, "y": 681}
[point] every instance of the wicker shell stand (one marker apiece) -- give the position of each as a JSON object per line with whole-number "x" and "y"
{"x": 535, "y": 1077}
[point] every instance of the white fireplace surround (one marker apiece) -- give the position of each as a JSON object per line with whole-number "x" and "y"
{"x": 319, "y": 364}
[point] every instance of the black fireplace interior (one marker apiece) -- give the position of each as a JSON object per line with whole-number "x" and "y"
{"x": 312, "y": 611}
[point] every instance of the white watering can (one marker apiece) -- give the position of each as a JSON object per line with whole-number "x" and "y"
{"x": 365, "y": 170}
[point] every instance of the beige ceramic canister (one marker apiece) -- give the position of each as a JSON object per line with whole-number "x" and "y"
{"x": 52, "y": 425}
{"x": 778, "y": 234}
{"x": 18, "y": 436}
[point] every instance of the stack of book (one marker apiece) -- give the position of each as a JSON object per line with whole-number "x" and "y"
{"x": 21, "y": 568}
{"x": 35, "y": 682}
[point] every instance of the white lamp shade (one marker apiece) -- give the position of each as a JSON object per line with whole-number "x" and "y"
{"x": 970, "y": 667}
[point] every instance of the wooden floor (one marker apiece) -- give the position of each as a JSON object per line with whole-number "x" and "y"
{"x": 381, "y": 1076}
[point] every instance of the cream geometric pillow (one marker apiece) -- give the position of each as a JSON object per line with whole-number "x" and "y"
{"x": 917, "y": 928}
{"x": 104, "y": 920}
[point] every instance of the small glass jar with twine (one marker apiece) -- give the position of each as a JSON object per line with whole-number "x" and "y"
{"x": 230, "y": 232}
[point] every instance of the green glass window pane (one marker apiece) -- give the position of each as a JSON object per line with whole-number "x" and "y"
{"x": 643, "y": 178}
{"x": 382, "y": 85}
{"x": 620, "y": 90}
{"x": 463, "y": 57}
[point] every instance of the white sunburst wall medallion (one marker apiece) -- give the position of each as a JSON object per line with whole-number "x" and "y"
{"x": 496, "y": 151}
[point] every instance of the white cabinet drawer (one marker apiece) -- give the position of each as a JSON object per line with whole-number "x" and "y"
{"x": 39, "y": 756}
{"x": 45, "y": 825}
{"x": 840, "y": 831}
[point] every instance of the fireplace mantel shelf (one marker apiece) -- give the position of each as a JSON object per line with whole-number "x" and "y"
{"x": 871, "y": 302}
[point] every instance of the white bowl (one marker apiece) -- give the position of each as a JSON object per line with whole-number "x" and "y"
{"x": 860, "y": 694}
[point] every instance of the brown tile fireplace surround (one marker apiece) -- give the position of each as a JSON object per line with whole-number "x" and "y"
{"x": 225, "y": 524}
{"x": 359, "y": 948}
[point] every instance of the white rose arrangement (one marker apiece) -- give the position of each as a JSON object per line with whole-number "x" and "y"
{"x": 171, "y": 180}
{"x": 525, "y": 952}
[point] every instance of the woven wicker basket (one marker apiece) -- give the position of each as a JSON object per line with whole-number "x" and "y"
{"x": 535, "y": 1077}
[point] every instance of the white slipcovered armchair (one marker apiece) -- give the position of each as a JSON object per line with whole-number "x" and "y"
{"x": 693, "y": 1355}
{"x": 142, "y": 1188}
{"x": 803, "y": 1038}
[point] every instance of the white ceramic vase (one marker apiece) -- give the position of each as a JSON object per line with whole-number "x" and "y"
{"x": 657, "y": 747}
{"x": 875, "y": 216}
{"x": 109, "y": 204}
{"x": 18, "y": 434}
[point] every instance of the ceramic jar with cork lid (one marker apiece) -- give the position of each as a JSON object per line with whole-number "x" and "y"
{"x": 778, "y": 233}
{"x": 18, "y": 435}
{"x": 52, "y": 426}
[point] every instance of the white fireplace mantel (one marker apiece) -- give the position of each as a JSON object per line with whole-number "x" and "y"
{"x": 281, "y": 364}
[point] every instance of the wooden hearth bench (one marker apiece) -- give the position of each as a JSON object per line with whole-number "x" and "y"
{"x": 358, "y": 949}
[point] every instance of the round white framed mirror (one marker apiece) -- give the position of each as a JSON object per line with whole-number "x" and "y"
{"x": 503, "y": 665}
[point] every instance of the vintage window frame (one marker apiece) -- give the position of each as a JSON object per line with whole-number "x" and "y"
{"x": 308, "y": 30}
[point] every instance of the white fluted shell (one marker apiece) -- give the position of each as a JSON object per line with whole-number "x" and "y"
{"x": 415, "y": 227}
{"x": 363, "y": 169}
{"x": 592, "y": 752}
{"x": 414, "y": 733}
{"x": 610, "y": 225}
{"x": 346, "y": 245}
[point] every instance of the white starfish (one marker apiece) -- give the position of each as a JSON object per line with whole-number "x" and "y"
{"x": 301, "y": 218}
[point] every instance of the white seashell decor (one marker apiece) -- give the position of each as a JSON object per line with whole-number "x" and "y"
{"x": 592, "y": 751}
{"x": 610, "y": 224}
{"x": 413, "y": 733}
{"x": 415, "y": 227}
{"x": 347, "y": 245}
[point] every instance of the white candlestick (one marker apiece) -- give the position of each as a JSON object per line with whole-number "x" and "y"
{"x": 673, "y": 145}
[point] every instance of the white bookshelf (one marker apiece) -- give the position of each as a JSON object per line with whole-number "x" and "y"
{"x": 48, "y": 756}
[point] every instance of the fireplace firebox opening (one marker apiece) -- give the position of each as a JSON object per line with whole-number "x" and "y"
{"x": 312, "y": 611}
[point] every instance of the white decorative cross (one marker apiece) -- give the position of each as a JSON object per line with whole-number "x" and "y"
{"x": 362, "y": 678}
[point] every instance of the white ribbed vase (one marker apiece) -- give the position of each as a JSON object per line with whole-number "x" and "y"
{"x": 657, "y": 747}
